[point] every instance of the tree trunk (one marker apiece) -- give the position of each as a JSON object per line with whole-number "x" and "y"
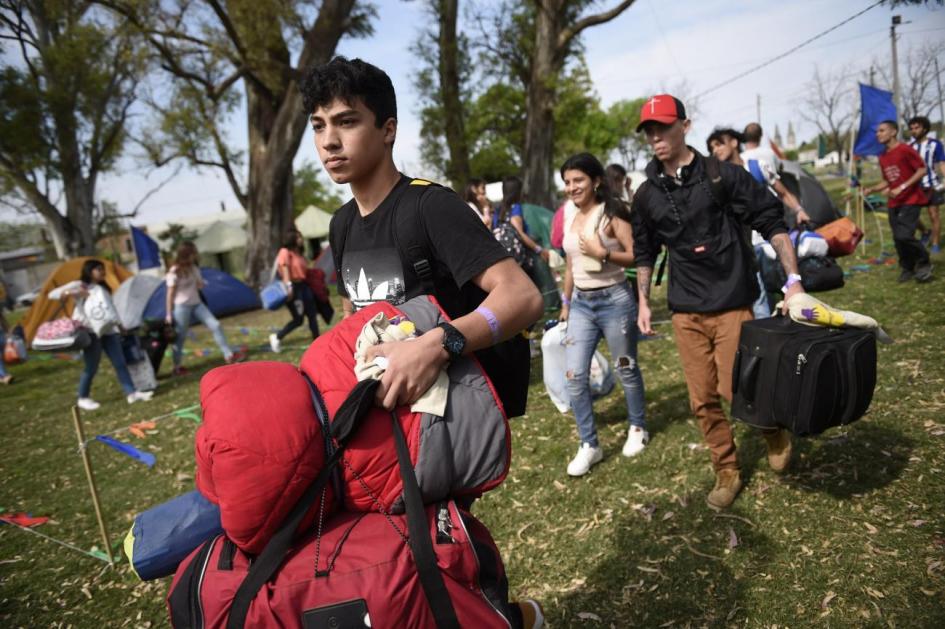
{"x": 458, "y": 168}
{"x": 540, "y": 100}
{"x": 276, "y": 124}
{"x": 554, "y": 32}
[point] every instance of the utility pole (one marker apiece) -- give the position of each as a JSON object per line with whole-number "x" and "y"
{"x": 758, "y": 108}
{"x": 941, "y": 102}
{"x": 896, "y": 21}
{"x": 872, "y": 76}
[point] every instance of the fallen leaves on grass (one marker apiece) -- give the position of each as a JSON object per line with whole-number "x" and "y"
{"x": 826, "y": 600}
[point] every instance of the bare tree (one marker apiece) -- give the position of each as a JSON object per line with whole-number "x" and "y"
{"x": 917, "y": 77}
{"x": 829, "y": 103}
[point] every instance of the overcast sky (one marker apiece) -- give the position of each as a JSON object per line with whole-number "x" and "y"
{"x": 653, "y": 46}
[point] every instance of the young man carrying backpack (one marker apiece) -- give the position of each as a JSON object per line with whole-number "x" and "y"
{"x": 700, "y": 209}
{"x": 398, "y": 238}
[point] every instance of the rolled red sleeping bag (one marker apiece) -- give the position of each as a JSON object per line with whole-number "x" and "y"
{"x": 259, "y": 446}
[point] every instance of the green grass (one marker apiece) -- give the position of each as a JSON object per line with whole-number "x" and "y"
{"x": 853, "y": 536}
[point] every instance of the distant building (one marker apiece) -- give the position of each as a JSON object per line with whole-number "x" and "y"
{"x": 24, "y": 269}
{"x": 777, "y": 136}
{"x": 791, "y": 138}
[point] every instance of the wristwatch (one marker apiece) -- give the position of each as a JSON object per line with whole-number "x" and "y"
{"x": 453, "y": 341}
{"x": 792, "y": 279}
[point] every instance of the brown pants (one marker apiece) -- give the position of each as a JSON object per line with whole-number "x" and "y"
{"x": 707, "y": 344}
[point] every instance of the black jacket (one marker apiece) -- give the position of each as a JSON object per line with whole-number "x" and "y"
{"x": 711, "y": 263}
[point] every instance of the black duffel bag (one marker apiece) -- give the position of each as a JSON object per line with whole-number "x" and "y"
{"x": 802, "y": 378}
{"x": 818, "y": 274}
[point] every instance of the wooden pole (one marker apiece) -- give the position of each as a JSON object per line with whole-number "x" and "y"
{"x": 93, "y": 490}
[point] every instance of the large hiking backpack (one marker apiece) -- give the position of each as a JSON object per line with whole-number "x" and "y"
{"x": 262, "y": 440}
{"x": 508, "y": 363}
{"x": 466, "y": 452}
{"x": 802, "y": 378}
{"x": 367, "y": 573}
{"x": 358, "y": 570}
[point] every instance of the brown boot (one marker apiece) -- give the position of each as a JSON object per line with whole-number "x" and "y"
{"x": 779, "y": 449}
{"x": 728, "y": 483}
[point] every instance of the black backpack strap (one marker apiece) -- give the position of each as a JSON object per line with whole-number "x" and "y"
{"x": 410, "y": 236}
{"x": 720, "y": 196}
{"x": 337, "y": 238}
{"x": 347, "y": 421}
{"x": 421, "y": 546}
{"x": 661, "y": 267}
{"x": 713, "y": 171}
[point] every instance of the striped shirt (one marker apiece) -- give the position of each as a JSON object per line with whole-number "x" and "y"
{"x": 932, "y": 154}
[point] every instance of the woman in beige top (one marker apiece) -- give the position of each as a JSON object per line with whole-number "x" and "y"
{"x": 597, "y": 303}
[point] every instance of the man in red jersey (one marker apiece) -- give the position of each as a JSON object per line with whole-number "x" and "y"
{"x": 903, "y": 168}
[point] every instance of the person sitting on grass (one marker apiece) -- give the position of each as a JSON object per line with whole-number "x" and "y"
{"x": 95, "y": 311}
{"x": 183, "y": 304}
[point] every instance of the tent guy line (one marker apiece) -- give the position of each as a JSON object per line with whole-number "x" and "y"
{"x": 187, "y": 412}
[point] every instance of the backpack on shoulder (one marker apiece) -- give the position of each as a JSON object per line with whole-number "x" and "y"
{"x": 803, "y": 378}
{"x": 435, "y": 566}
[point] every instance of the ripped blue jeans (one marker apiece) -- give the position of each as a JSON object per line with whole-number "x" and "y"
{"x": 610, "y": 313}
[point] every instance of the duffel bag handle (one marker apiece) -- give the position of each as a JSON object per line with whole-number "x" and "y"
{"x": 748, "y": 378}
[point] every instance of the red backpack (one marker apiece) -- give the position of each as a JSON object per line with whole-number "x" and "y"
{"x": 265, "y": 459}
{"x": 359, "y": 570}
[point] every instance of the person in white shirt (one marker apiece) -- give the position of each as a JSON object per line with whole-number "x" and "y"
{"x": 726, "y": 145}
{"x": 769, "y": 166}
{"x": 95, "y": 310}
{"x": 933, "y": 154}
{"x": 476, "y": 199}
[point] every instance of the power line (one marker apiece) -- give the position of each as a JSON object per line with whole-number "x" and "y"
{"x": 788, "y": 52}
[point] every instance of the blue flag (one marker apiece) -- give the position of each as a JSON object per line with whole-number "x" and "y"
{"x": 875, "y": 106}
{"x": 126, "y": 448}
{"x": 148, "y": 252}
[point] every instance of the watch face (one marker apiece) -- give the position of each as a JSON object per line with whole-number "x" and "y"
{"x": 453, "y": 342}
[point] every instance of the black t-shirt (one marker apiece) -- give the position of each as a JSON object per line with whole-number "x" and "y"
{"x": 372, "y": 269}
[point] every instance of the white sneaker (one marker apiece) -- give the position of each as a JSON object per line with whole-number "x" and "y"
{"x": 275, "y": 344}
{"x": 87, "y": 404}
{"x": 140, "y": 396}
{"x": 587, "y": 455}
{"x": 637, "y": 439}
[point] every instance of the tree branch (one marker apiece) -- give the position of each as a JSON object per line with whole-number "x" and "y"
{"x": 569, "y": 33}
{"x": 155, "y": 190}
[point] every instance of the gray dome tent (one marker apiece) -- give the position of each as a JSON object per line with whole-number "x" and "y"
{"x": 810, "y": 193}
{"x": 132, "y": 296}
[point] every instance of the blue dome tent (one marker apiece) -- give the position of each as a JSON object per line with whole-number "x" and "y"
{"x": 224, "y": 295}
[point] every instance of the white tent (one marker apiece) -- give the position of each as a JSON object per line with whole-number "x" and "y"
{"x": 132, "y": 296}
{"x": 220, "y": 237}
{"x": 313, "y": 222}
